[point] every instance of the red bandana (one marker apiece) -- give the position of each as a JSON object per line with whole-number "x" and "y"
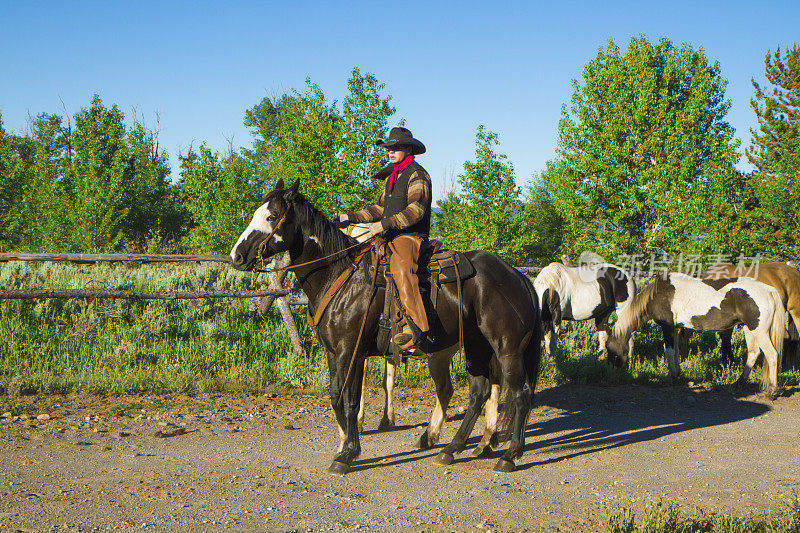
{"x": 398, "y": 168}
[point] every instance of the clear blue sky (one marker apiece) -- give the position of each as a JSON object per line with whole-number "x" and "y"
{"x": 449, "y": 66}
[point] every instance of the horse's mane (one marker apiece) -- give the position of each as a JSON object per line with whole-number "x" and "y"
{"x": 634, "y": 315}
{"x": 316, "y": 224}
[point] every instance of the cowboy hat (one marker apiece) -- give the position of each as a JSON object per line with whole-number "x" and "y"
{"x": 402, "y": 137}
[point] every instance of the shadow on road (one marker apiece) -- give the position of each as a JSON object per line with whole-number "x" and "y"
{"x": 573, "y": 420}
{"x": 592, "y": 419}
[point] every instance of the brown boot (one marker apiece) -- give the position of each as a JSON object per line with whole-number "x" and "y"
{"x": 405, "y": 339}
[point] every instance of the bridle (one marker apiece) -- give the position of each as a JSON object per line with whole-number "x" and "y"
{"x": 263, "y": 244}
{"x": 262, "y": 247}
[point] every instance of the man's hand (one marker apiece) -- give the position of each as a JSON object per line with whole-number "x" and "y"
{"x": 341, "y": 221}
{"x": 376, "y": 228}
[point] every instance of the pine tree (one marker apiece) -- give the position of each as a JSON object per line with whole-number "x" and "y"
{"x": 773, "y": 222}
{"x": 776, "y": 145}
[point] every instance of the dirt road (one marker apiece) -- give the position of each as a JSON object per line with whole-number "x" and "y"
{"x": 244, "y": 463}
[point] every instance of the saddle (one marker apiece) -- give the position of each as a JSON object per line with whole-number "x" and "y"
{"x": 436, "y": 267}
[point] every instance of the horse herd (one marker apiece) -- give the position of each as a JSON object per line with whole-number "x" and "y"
{"x": 503, "y": 320}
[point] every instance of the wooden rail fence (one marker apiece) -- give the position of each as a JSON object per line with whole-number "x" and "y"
{"x": 147, "y": 295}
{"x": 268, "y": 296}
{"x": 96, "y": 258}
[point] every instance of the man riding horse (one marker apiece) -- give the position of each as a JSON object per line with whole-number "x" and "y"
{"x": 402, "y": 215}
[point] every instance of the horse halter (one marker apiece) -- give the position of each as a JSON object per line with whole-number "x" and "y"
{"x": 262, "y": 246}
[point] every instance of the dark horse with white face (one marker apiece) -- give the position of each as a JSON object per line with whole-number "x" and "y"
{"x": 499, "y": 310}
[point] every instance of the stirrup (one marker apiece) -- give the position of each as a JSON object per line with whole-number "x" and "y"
{"x": 405, "y": 339}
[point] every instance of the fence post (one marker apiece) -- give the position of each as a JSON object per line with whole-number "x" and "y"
{"x": 275, "y": 282}
{"x": 267, "y": 301}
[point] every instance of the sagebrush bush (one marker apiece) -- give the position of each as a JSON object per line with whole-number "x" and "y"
{"x": 155, "y": 345}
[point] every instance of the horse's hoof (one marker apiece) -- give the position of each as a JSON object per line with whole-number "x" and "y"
{"x": 482, "y": 452}
{"x": 386, "y": 424}
{"x": 338, "y": 468}
{"x": 504, "y": 465}
{"x": 772, "y": 394}
{"x": 444, "y": 458}
{"x": 424, "y": 441}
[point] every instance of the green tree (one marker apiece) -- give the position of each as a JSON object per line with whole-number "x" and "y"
{"x": 539, "y": 228}
{"x": 15, "y": 163}
{"x": 645, "y": 157}
{"x": 153, "y": 211}
{"x": 332, "y": 152}
{"x": 774, "y": 221}
{"x": 115, "y": 180}
{"x": 775, "y": 147}
{"x": 262, "y": 120}
{"x": 43, "y": 192}
{"x": 306, "y": 143}
{"x": 364, "y": 120}
{"x": 220, "y": 195}
{"x": 96, "y": 180}
{"x": 484, "y": 215}
{"x": 30, "y": 195}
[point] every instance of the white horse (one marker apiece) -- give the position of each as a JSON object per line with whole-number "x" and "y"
{"x": 679, "y": 301}
{"x": 581, "y": 293}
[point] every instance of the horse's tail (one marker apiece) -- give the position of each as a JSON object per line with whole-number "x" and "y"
{"x": 630, "y": 284}
{"x": 531, "y": 358}
{"x": 549, "y": 308}
{"x": 533, "y": 350}
{"x": 776, "y": 333}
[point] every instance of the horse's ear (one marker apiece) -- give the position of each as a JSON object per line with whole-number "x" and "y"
{"x": 280, "y": 184}
{"x": 291, "y": 192}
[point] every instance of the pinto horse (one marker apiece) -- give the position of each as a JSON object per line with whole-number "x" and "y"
{"x": 498, "y": 308}
{"x": 581, "y": 293}
{"x": 785, "y": 279}
{"x": 677, "y": 301}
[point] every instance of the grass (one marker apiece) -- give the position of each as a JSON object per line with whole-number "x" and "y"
{"x": 664, "y": 516}
{"x": 576, "y": 360}
{"x": 127, "y": 346}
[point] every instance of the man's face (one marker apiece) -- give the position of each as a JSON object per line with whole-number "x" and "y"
{"x": 398, "y": 153}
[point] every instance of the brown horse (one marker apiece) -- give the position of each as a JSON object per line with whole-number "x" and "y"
{"x": 785, "y": 279}
{"x": 439, "y": 368}
{"x": 498, "y": 308}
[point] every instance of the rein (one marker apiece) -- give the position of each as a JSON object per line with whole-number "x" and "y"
{"x": 263, "y": 245}
{"x": 360, "y": 335}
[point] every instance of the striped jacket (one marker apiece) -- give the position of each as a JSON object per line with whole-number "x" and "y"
{"x": 402, "y": 215}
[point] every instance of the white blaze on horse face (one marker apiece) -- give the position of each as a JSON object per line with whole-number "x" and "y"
{"x": 258, "y": 223}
